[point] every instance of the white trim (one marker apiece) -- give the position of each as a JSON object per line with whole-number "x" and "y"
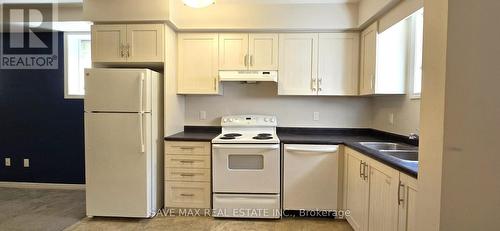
{"x": 411, "y": 58}
{"x": 66, "y": 95}
{"x": 29, "y": 185}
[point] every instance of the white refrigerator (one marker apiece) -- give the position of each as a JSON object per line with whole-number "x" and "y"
{"x": 123, "y": 142}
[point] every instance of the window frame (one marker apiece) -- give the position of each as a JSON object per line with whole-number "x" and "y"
{"x": 412, "y": 56}
{"x": 66, "y": 63}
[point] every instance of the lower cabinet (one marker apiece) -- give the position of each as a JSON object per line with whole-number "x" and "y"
{"x": 187, "y": 175}
{"x": 378, "y": 197}
{"x": 407, "y": 203}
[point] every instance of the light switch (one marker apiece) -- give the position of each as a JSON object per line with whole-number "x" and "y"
{"x": 26, "y": 163}
{"x": 203, "y": 115}
{"x": 316, "y": 116}
{"x": 7, "y": 162}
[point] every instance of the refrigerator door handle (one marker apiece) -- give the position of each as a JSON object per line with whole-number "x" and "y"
{"x": 141, "y": 92}
{"x": 141, "y": 128}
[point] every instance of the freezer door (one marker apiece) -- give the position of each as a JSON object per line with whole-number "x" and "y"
{"x": 117, "y": 90}
{"x": 118, "y": 165}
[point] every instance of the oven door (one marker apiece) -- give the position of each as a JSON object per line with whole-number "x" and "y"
{"x": 246, "y": 168}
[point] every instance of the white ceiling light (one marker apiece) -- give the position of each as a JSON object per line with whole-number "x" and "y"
{"x": 198, "y": 3}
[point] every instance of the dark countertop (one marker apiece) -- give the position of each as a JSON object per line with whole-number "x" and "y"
{"x": 195, "y": 133}
{"x": 348, "y": 137}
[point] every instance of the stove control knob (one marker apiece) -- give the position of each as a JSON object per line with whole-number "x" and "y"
{"x": 230, "y": 120}
{"x": 273, "y": 120}
{"x": 266, "y": 120}
{"x": 224, "y": 120}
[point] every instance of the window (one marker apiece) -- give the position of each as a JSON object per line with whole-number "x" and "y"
{"x": 416, "y": 54}
{"x": 77, "y": 58}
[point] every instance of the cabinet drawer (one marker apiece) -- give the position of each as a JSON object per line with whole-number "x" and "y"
{"x": 187, "y": 161}
{"x": 187, "y": 194}
{"x": 185, "y": 174}
{"x": 186, "y": 148}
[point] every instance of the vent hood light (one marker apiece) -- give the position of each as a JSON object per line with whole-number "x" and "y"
{"x": 198, "y": 3}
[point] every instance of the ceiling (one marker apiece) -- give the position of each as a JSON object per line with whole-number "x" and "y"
{"x": 217, "y": 1}
{"x": 285, "y": 1}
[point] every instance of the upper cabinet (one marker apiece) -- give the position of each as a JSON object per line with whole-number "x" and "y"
{"x": 108, "y": 43}
{"x": 368, "y": 60}
{"x": 248, "y": 51}
{"x": 383, "y": 66}
{"x": 198, "y": 63}
{"x": 298, "y": 72}
{"x": 318, "y": 64}
{"x": 132, "y": 43}
{"x": 338, "y": 64}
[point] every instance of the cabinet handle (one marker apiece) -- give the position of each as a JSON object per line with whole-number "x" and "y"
{"x": 400, "y": 199}
{"x": 187, "y": 174}
{"x": 372, "y": 81}
{"x": 361, "y": 170}
{"x": 251, "y": 60}
{"x": 187, "y": 161}
{"x": 187, "y": 194}
{"x": 187, "y": 148}
{"x": 246, "y": 60}
{"x": 365, "y": 172}
{"x": 215, "y": 84}
{"x": 122, "y": 50}
{"x": 313, "y": 84}
{"x": 128, "y": 50}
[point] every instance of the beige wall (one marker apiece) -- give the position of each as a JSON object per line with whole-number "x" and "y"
{"x": 471, "y": 178}
{"x": 174, "y": 104}
{"x": 291, "y": 111}
{"x": 432, "y": 115}
{"x": 226, "y": 16}
{"x": 406, "y": 113}
{"x": 125, "y": 10}
{"x": 458, "y": 175}
{"x": 370, "y": 9}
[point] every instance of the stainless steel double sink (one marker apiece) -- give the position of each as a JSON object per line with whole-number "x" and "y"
{"x": 399, "y": 151}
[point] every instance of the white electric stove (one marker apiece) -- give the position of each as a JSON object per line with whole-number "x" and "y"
{"x": 246, "y": 168}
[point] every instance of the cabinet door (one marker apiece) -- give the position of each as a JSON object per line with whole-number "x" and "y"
{"x": 108, "y": 43}
{"x": 383, "y": 202}
{"x": 356, "y": 194}
{"x": 368, "y": 59}
{"x": 408, "y": 203}
{"x": 198, "y": 63}
{"x": 263, "y": 52}
{"x": 145, "y": 43}
{"x": 338, "y": 64}
{"x": 233, "y": 52}
{"x": 298, "y": 54}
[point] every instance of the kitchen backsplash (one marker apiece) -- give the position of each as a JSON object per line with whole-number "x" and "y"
{"x": 292, "y": 111}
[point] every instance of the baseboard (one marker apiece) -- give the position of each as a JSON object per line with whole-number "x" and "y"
{"x": 30, "y": 185}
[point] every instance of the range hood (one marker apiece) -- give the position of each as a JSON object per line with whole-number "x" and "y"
{"x": 249, "y": 76}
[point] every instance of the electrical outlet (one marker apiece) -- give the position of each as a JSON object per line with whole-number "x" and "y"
{"x": 203, "y": 115}
{"x": 7, "y": 162}
{"x": 26, "y": 163}
{"x": 391, "y": 118}
{"x": 316, "y": 116}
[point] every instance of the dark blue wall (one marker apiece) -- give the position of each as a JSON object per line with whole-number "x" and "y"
{"x": 36, "y": 122}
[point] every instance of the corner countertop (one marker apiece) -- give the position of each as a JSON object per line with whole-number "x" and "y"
{"x": 348, "y": 137}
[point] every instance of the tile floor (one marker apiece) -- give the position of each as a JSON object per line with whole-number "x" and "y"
{"x": 207, "y": 223}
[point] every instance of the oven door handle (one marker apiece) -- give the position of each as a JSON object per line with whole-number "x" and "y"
{"x": 247, "y": 146}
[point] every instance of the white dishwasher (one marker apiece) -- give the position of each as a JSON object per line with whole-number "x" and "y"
{"x": 310, "y": 177}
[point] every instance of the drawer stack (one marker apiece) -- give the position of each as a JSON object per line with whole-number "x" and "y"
{"x": 187, "y": 174}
